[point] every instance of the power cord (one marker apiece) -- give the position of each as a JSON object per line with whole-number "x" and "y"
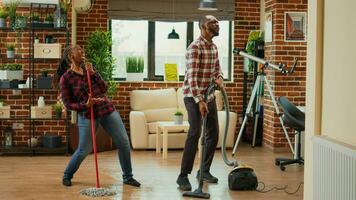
{"x": 284, "y": 188}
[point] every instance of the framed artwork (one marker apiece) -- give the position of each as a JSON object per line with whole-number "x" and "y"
{"x": 268, "y": 27}
{"x": 295, "y": 26}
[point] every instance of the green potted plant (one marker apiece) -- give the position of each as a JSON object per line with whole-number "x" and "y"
{"x": 11, "y": 71}
{"x": 35, "y": 18}
{"x": 49, "y": 18}
{"x": 58, "y": 109}
{"x": 10, "y": 50}
{"x": 98, "y": 51}
{"x": 3, "y": 16}
{"x": 44, "y": 81}
{"x": 64, "y": 6}
{"x": 178, "y": 117}
{"x": 134, "y": 68}
{"x": 11, "y": 10}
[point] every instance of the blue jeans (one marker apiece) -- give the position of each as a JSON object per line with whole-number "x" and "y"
{"x": 114, "y": 126}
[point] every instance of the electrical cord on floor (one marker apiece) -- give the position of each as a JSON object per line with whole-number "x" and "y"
{"x": 262, "y": 190}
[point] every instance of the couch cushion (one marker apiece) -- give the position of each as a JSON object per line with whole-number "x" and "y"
{"x": 153, "y": 99}
{"x": 163, "y": 114}
{"x": 153, "y": 125}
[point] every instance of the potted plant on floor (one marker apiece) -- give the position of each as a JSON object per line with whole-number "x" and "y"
{"x": 3, "y": 16}
{"x": 134, "y": 68}
{"x": 98, "y": 51}
{"x": 178, "y": 117}
{"x": 10, "y": 50}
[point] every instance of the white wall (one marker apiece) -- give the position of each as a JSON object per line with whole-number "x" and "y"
{"x": 331, "y": 80}
{"x": 339, "y": 71}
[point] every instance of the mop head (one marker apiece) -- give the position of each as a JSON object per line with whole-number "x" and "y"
{"x": 97, "y": 192}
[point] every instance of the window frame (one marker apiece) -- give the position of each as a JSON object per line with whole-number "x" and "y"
{"x": 151, "y": 57}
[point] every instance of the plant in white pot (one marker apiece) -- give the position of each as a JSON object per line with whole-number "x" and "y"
{"x": 134, "y": 68}
{"x": 10, "y": 50}
{"x": 178, "y": 117}
{"x": 11, "y": 72}
{"x": 3, "y": 16}
{"x": 58, "y": 109}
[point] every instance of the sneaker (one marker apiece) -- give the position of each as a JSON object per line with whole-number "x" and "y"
{"x": 184, "y": 183}
{"x": 207, "y": 177}
{"x": 66, "y": 182}
{"x": 132, "y": 182}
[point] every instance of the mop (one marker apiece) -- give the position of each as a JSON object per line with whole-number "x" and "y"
{"x": 97, "y": 191}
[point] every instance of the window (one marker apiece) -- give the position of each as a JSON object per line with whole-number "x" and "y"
{"x": 170, "y": 50}
{"x": 150, "y": 40}
{"x": 129, "y": 39}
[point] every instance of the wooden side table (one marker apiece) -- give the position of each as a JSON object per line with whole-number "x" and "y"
{"x": 164, "y": 128}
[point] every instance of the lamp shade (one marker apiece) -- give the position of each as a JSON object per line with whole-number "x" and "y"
{"x": 173, "y": 35}
{"x": 209, "y": 5}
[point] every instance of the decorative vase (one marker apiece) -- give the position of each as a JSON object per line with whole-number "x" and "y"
{"x": 41, "y": 102}
{"x": 32, "y": 142}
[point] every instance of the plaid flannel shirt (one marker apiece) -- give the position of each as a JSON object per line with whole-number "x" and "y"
{"x": 75, "y": 92}
{"x": 202, "y": 68}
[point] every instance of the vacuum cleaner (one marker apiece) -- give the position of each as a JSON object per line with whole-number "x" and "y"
{"x": 241, "y": 177}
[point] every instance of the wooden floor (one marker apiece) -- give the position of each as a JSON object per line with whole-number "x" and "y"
{"x": 39, "y": 177}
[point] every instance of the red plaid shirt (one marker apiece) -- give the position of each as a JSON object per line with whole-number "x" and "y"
{"x": 75, "y": 92}
{"x": 202, "y": 68}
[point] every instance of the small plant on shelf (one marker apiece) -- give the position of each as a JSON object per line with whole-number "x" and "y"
{"x": 64, "y": 5}
{"x": 58, "y": 109}
{"x": 178, "y": 113}
{"x": 35, "y": 17}
{"x": 44, "y": 72}
{"x": 10, "y": 50}
{"x": 49, "y": 18}
{"x": 3, "y": 16}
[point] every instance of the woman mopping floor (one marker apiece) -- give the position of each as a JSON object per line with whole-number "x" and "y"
{"x": 75, "y": 94}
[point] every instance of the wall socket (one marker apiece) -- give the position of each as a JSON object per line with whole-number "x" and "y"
{"x": 17, "y": 126}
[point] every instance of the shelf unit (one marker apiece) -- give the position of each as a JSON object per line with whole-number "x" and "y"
{"x": 31, "y": 61}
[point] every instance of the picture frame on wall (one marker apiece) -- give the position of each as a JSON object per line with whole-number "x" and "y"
{"x": 268, "y": 27}
{"x": 295, "y": 26}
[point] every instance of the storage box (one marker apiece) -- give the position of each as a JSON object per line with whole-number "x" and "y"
{"x": 42, "y": 50}
{"x": 41, "y": 112}
{"x": 4, "y": 112}
{"x": 51, "y": 141}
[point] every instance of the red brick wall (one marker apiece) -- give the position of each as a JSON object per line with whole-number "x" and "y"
{"x": 19, "y": 103}
{"x": 293, "y": 85}
{"x": 247, "y": 18}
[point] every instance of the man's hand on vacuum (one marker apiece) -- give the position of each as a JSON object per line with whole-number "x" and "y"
{"x": 203, "y": 108}
{"x": 219, "y": 82}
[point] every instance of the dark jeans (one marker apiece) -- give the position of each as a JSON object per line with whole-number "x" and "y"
{"x": 212, "y": 135}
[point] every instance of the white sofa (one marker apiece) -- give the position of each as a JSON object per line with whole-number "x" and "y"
{"x": 150, "y": 106}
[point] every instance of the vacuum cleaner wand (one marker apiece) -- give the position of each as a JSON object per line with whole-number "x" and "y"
{"x": 198, "y": 193}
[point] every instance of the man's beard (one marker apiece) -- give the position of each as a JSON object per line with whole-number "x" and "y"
{"x": 215, "y": 33}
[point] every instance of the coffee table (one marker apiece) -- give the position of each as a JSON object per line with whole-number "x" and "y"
{"x": 164, "y": 128}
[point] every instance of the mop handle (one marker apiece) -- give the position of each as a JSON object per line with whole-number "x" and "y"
{"x": 93, "y": 132}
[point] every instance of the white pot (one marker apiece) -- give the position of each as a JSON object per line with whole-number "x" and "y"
{"x": 2, "y": 23}
{"x": 11, "y": 75}
{"x": 178, "y": 119}
{"x": 135, "y": 77}
{"x": 10, "y": 54}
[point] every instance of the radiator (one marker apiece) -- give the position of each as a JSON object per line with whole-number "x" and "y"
{"x": 334, "y": 170}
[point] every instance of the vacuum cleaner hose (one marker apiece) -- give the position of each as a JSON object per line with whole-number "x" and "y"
{"x": 223, "y": 147}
